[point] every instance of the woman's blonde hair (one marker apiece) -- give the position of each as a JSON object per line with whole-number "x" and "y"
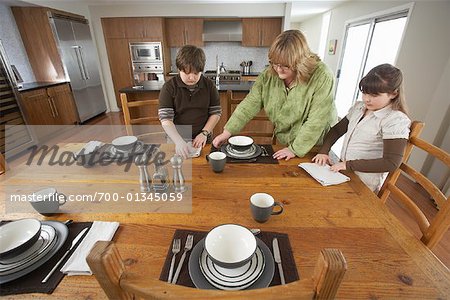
{"x": 385, "y": 78}
{"x": 291, "y": 49}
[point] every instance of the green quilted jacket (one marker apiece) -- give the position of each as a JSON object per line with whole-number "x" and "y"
{"x": 301, "y": 117}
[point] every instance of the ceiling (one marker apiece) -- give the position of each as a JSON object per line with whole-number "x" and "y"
{"x": 301, "y": 9}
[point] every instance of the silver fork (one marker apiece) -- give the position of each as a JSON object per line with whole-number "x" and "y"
{"x": 176, "y": 247}
{"x": 187, "y": 247}
{"x": 264, "y": 151}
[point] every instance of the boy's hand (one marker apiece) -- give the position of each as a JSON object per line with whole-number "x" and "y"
{"x": 182, "y": 148}
{"x": 199, "y": 141}
{"x": 322, "y": 159}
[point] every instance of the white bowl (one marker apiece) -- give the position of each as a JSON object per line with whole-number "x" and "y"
{"x": 17, "y": 236}
{"x": 124, "y": 143}
{"x": 230, "y": 245}
{"x": 240, "y": 142}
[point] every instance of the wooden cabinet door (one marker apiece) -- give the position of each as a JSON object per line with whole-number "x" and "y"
{"x": 175, "y": 33}
{"x": 38, "y": 108}
{"x": 113, "y": 27}
{"x": 271, "y": 28}
{"x": 251, "y": 32}
{"x": 63, "y": 103}
{"x": 153, "y": 29}
{"x": 134, "y": 27}
{"x": 194, "y": 32}
{"x": 119, "y": 64}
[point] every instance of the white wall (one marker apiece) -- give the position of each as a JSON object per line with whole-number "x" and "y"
{"x": 14, "y": 48}
{"x": 312, "y": 28}
{"x": 423, "y": 58}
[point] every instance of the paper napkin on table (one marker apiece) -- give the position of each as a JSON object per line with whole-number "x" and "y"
{"x": 323, "y": 174}
{"x": 89, "y": 147}
{"x": 99, "y": 231}
{"x": 194, "y": 152}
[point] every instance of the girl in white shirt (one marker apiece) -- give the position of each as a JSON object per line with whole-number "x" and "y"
{"x": 377, "y": 129}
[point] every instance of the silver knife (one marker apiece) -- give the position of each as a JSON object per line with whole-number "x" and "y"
{"x": 277, "y": 257}
{"x": 74, "y": 242}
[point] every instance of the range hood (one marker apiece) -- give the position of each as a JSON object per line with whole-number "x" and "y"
{"x": 222, "y": 31}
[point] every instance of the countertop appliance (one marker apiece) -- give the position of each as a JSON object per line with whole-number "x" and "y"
{"x": 80, "y": 64}
{"x": 230, "y": 76}
{"x": 147, "y": 62}
{"x": 14, "y": 135}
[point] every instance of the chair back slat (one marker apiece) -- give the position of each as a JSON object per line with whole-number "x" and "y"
{"x": 432, "y": 229}
{"x": 130, "y": 120}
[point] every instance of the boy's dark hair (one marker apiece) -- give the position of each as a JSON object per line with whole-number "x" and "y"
{"x": 190, "y": 59}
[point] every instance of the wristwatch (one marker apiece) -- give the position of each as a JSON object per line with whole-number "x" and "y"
{"x": 205, "y": 132}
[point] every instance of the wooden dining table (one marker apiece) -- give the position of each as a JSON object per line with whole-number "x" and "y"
{"x": 384, "y": 259}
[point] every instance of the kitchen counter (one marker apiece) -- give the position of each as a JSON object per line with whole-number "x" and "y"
{"x": 251, "y": 74}
{"x": 39, "y": 85}
{"x": 242, "y": 86}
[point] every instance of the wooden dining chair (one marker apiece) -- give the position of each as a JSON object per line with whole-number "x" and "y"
{"x": 109, "y": 270}
{"x": 415, "y": 130}
{"x": 432, "y": 230}
{"x": 261, "y": 121}
{"x": 130, "y": 109}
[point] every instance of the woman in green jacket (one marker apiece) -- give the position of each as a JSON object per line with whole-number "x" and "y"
{"x": 296, "y": 92}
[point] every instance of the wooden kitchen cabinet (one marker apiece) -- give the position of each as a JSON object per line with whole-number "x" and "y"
{"x": 63, "y": 103}
{"x": 113, "y": 27}
{"x": 260, "y": 32}
{"x": 49, "y": 106}
{"x": 149, "y": 28}
{"x": 120, "y": 65}
{"x": 181, "y": 31}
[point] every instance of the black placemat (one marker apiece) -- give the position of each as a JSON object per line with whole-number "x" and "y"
{"x": 31, "y": 283}
{"x": 259, "y": 160}
{"x": 288, "y": 261}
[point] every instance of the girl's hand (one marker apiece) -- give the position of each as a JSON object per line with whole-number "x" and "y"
{"x": 284, "y": 153}
{"x": 221, "y": 139}
{"x": 199, "y": 141}
{"x": 338, "y": 167}
{"x": 322, "y": 159}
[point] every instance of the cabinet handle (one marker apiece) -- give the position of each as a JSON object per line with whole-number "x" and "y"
{"x": 187, "y": 37}
{"x": 54, "y": 105}
{"x": 51, "y": 107}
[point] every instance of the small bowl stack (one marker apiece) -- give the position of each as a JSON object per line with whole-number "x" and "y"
{"x": 124, "y": 143}
{"x": 240, "y": 143}
{"x": 18, "y": 236}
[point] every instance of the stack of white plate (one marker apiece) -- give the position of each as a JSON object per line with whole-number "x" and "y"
{"x": 20, "y": 262}
{"x": 232, "y": 278}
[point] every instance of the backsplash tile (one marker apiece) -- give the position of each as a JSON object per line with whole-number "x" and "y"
{"x": 231, "y": 54}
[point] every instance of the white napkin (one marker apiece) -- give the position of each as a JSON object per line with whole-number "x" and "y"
{"x": 89, "y": 148}
{"x": 194, "y": 152}
{"x": 99, "y": 231}
{"x": 323, "y": 174}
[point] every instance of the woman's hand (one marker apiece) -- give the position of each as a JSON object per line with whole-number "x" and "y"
{"x": 284, "y": 153}
{"x": 199, "y": 141}
{"x": 182, "y": 148}
{"x": 322, "y": 159}
{"x": 339, "y": 166}
{"x": 221, "y": 139}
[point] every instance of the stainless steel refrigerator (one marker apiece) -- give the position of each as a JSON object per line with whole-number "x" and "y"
{"x": 80, "y": 64}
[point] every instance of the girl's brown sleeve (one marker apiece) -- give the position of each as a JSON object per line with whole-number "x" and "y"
{"x": 333, "y": 135}
{"x": 392, "y": 158}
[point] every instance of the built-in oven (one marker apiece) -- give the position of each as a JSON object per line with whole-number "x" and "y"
{"x": 148, "y": 72}
{"x": 148, "y": 52}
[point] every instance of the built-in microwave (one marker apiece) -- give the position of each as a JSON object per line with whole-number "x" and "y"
{"x": 149, "y": 52}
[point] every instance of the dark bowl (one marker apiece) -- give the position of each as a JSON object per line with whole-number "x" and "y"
{"x": 18, "y": 236}
{"x": 240, "y": 143}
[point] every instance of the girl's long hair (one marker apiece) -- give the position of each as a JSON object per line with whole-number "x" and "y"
{"x": 385, "y": 78}
{"x": 291, "y": 49}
